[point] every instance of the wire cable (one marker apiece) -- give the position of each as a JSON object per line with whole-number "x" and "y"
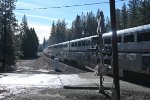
{"x": 57, "y": 7}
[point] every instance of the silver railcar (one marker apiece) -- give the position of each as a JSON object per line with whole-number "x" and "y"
{"x": 133, "y": 50}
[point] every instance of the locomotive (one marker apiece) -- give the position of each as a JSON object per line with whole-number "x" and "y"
{"x": 133, "y": 51}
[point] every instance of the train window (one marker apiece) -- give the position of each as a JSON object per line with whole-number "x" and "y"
{"x": 79, "y": 43}
{"x": 128, "y": 38}
{"x": 93, "y": 42}
{"x": 83, "y": 43}
{"x": 87, "y": 43}
{"x": 107, "y": 40}
{"x": 75, "y": 44}
{"x": 59, "y": 46}
{"x": 143, "y": 37}
{"x": 65, "y": 45}
{"x": 119, "y": 39}
{"x": 72, "y": 44}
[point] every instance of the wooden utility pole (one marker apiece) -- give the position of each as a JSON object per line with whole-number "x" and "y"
{"x": 115, "y": 50}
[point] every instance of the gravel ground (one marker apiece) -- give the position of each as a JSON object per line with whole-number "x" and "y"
{"x": 72, "y": 94}
{"x": 44, "y": 65}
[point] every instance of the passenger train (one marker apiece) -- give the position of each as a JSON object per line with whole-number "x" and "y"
{"x": 133, "y": 51}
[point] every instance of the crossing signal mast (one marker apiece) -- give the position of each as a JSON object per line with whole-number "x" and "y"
{"x": 100, "y": 57}
{"x": 101, "y": 51}
{"x": 101, "y": 67}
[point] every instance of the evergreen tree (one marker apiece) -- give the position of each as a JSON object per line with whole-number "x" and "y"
{"x": 144, "y": 12}
{"x": 77, "y": 27}
{"x": 88, "y": 25}
{"x": 134, "y": 13}
{"x": 118, "y": 19}
{"x": 58, "y": 32}
{"x": 7, "y": 37}
{"x": 29, "y": 40}
{"x": 23, "y": 29}
{"x": 69, "y": 34}
{"x": 53, "y": 34}
{"x": 93, "y": 24}
{"x": 124, "y": 17}
{"x": 44, "y": 43}
{"x": 34, "y": 41}
{"x": 30, "y": 43}
{"x": 26, "y": 45}
{"x": 63, "y": 35}
{"x": 23, "y": 26}
{"x": 108, "y": 24}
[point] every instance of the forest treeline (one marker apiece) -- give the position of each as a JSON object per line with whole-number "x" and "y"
{"x": 15, "y": 40}
{"x": 134, "y": 13}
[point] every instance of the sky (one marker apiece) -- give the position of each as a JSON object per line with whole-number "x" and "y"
{"x": 41, "y": 19}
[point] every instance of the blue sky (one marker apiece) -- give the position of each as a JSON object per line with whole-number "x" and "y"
{"x": 41, "y": 20}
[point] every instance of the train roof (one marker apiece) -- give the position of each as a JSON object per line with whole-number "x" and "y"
{"x": 59, "y": 44}
{"x": 82, "y": 39}
{"x": 139, "y": 29}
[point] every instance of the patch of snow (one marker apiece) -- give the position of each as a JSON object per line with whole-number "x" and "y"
{"x": 44, "y": 71}
{"x": 16, "y": 83}
{"x": 30, "y": 80}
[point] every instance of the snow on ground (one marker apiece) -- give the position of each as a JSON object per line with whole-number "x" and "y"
{"x": 43, "y": 80}
{"x": 14, "y": 83}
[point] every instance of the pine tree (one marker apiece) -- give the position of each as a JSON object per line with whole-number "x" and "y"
{"x": 44, "y": 43}
{"x": 53, "y": 34}
{"x": 26, "y": 44}
{"x": 22, "y": 36}
{"x": 30, "y": 43}
{"x": 93, "y": 24}
{"x": 144, "y": 12}
{"x": 124, "y": 17}
{"x": 88, "y": 25}
{"x": 29, "y": 40}
{"x": 118, "y": 19}
{"x": 134, "y": 13}
{"x": 58, "y": 31}
{"x": 63, "y": 35}
{"x": 77, "y": 27}
{"x": 108, "y": 24}
{"x": 23, "y": 26}
{"x": 9, "y": 27}
{"x": 34, "y": 41}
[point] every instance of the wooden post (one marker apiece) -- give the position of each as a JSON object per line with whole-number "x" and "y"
{"x": 114, "y": 49}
